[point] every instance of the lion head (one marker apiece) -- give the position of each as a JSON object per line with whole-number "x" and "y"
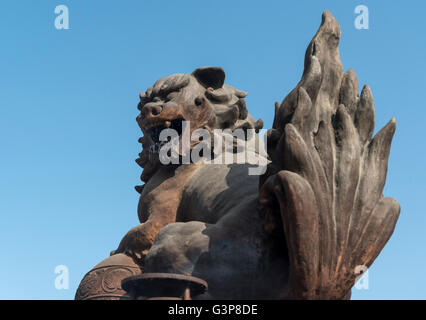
{"x": 201, "y": 98}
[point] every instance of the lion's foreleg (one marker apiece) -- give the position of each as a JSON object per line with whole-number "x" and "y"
{"x": 162, "y": 205}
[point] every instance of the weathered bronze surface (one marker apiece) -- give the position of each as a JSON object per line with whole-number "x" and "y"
{"x": 155, "y": 286}
{"x": 300, "y": 230}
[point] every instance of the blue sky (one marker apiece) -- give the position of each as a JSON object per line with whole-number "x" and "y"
{"x": 68, "y": 135}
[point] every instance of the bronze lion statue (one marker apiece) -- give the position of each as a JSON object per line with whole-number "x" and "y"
{"x": 297, "y": 231}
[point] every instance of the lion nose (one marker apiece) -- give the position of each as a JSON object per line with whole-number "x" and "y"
{"x": 151, "y": 111}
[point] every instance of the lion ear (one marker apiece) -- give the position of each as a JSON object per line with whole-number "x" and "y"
{"x": 213, "y": 77}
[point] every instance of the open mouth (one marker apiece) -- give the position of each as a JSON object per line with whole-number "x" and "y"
{"x": 155, "y": 131}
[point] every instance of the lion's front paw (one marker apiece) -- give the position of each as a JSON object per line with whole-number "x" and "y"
{"x": 136, "y": 243}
